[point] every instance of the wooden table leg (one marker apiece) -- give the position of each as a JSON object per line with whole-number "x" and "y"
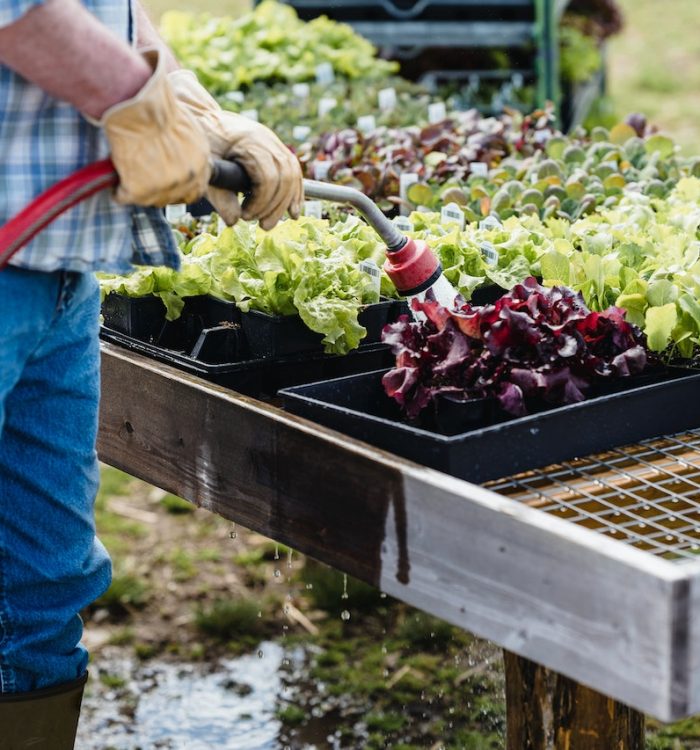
{"x": 547, "y": 711}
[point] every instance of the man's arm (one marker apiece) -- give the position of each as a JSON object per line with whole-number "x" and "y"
{"x": 62, "y": 48}
{"x": 148, "y": 36}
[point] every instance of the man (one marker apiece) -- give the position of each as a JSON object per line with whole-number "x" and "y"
{"x": 73, "y": 88}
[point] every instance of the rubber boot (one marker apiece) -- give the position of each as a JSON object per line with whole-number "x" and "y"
{"x": 44, "y": 719}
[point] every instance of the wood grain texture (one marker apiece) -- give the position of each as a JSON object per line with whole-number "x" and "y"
{"x": 547, "y": 711}
{"x": 586, "y": 606}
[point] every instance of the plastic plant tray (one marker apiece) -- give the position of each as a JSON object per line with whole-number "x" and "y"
{"x": 279, "y": 335}
{"x": 253, "y": 377}
{"x": 358, "y": 406}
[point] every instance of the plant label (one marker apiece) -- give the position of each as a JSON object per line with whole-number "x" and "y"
{"x": 325, "y": 74}
{"x": 403, "y": 224}
{"x": 405, "y": 181}
{"x": 321, "y": 170}
{"x": 301, "y": 132}
{"x": 479, "y": 169}
{"x": 437, "y": 112}
{"x": 374, "y": 272}
{"x": 175, "y": 211}
{"x": 366, "y": 124}
{"x": 489, "y": 252}
{"x": 325, "y": 105}
{"x": 314, "y": 209}
{"x": 490, "y": 222}
{"x": 301, "y": 90}
{"x": 452, "y": 214}
{"x": 387, "y": 99}
{"x": 251, "y": 114}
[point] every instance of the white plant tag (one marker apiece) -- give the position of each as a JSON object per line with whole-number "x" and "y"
{"x": 374, "y": 272}
{"x": 251, "y": 114}
{"x": 405, "y": 181}
{"x": 366, "y": 124}
{"x": 321, "y": 169}
{"x": 314, "y": 209}
{"x": 325, "y": 105}
{"x": 301, "y": 132}
{"x": 479, "y": 169}
{"x": 387, "y": 98}
{"x": 451, "y": 214}
{"x": 301, "y": 90}
{"x": 489, "y": 252}
{"x": 325, "y": 74}
{"x": 403, "y": 224}
{"x": 437, "y": 112}
{"x": 175, "y": 211}
{"x": 490, "y": 222}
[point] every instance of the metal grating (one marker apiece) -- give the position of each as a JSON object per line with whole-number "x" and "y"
{"x": 646, "y": 495}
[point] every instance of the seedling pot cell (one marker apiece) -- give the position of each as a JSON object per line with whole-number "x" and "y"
{"x": 483, "y": 443}
{"x": 140, "y": 317}
{"x": 282, "y": 335}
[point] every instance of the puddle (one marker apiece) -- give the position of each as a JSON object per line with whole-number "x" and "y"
{"x": 229, "y": 705}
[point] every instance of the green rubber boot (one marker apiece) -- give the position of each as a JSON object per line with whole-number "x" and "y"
{"x": 41, "y": 719}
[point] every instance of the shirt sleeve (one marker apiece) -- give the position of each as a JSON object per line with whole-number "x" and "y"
{"x": 13, "y": 10}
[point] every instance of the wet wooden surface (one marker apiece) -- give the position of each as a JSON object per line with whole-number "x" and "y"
{"x": 597, "y": 610}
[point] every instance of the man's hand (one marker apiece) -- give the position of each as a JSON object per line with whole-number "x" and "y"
{"x": 160, "y": 152}
{"x": 273, "y": 170}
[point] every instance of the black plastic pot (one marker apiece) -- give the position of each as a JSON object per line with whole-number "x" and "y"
{"x": 140, "y": 317}
{"x": 284, "y": 335}
{"x": 487, "y": 448}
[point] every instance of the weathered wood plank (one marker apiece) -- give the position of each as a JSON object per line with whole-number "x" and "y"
{"x": 547, "y": 711}
{"x": 589, "y": 607}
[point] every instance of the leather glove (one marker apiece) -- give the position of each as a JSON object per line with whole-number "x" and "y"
{"x": 273, "y": 170}
{"x": 158, "y": 149}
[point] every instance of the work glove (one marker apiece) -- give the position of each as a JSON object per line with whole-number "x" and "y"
{"x": 274, "y": 171}
{"x": 157, "y": 147}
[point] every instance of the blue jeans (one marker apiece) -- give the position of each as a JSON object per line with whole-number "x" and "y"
{"x": 51, "y": 564}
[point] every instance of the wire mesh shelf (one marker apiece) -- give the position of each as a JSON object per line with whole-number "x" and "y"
{"x": 646, "y": 495}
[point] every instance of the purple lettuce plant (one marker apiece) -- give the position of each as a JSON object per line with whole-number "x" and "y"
{"x": 532, "y": 343}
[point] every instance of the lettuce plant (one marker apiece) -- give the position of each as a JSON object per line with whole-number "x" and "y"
{"x": 533, "y": 343}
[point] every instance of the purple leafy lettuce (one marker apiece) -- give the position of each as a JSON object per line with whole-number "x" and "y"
{"x": 533, "y": 343}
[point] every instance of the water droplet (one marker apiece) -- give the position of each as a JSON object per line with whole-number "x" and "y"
{"x": 382, "y": 595}
{"x": 345, "y": 586}
{"x": 260, "y": 654}
{"x": 285, "y": 609}
{"x": 277, "y": 574}
{"x": 289, "y": 558}
{"x": 383, "y": 649}
{"x": 259, "y": 614}
{"x": 309, "y": 586}
{"x": 345, "y": 615}
{"x": 385, "y": 673}
{"x": 277, "y": 551}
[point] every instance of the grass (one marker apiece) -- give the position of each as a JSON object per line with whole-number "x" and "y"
{"x": 654, "y": 67}
{"x": 226, "y": 619}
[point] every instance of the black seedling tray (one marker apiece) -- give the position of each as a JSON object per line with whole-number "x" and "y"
{"x": 495, "y": 445}
{"x": 254, "y": 377}
{"x": 140, "y": 317}
{"x": 144, "y": 318}
{"x": 282, "y": 335}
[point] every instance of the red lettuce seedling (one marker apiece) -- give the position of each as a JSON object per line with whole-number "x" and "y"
{"x": 533, "y": 343}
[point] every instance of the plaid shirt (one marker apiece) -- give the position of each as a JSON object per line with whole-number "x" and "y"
{"x": 43, "y": 140}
